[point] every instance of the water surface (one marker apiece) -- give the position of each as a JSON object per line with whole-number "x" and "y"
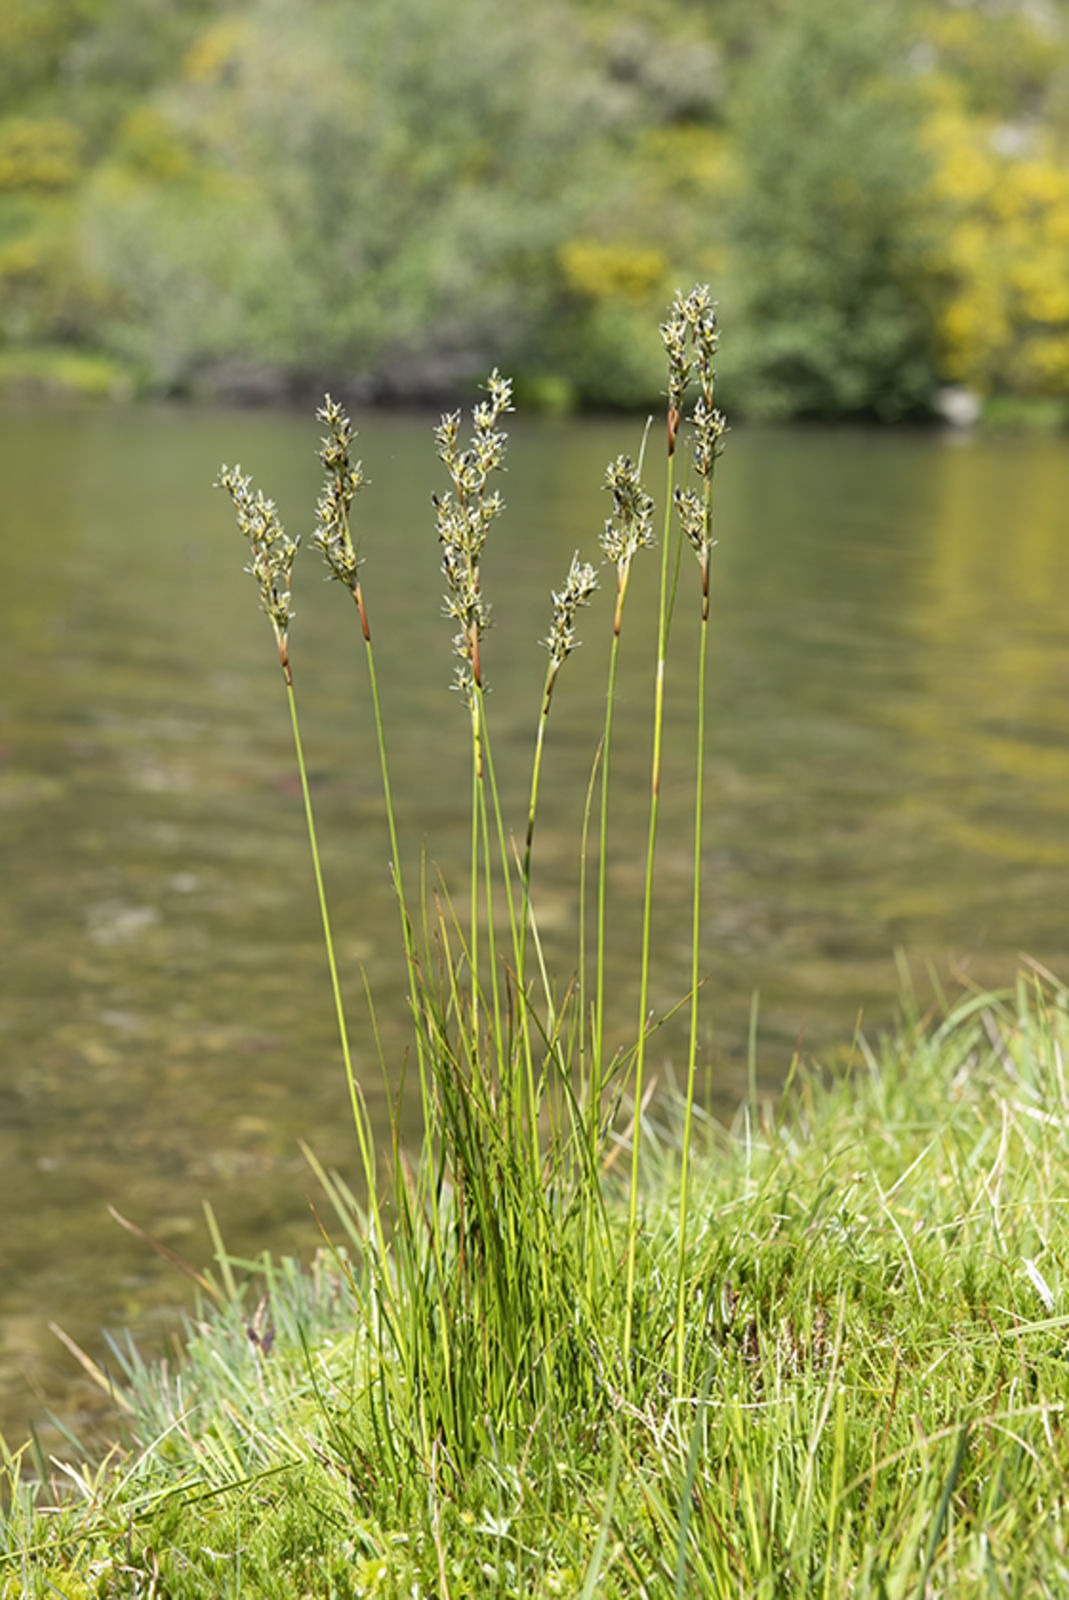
{"x": 888, "y": 768}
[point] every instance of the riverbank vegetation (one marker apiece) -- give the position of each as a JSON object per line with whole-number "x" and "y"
{"x": 874, "y": 1400}
{"x": 583, "y": 1340}
{"x": 250, "y": 198}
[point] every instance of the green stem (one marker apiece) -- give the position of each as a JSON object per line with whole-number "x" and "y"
{"x": 355, "y": 1096}
{"x": 647, "y": 917}
{"x": 597, "y": 1075}
{"x": 407, "y": 935}
{"x": 391, "y": 823}
{"x": 532, "y": 808}
{"x": 522, "y": 998}
{"x": 473, "y": 935}
{"x": 584, "y": 839}
{"x": 692, "y": 1050}
{"x": 520, "y": 936}
{"x": 488, "y": 884}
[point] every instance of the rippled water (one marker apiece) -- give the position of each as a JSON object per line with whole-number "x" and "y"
{"x": 888, "y": 768}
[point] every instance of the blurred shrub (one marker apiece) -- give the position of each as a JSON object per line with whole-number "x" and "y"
{"x": 829, "y": 267}
{"x": 33, "y": 37}
{"x": 1002, "y": 59}
{"x": 1004, "y": 256}
{"x": 245, "y": 196}
{"x": 612, "y": 271}
{"x": 385, "y": 187}
{"x": 39, "y": 153}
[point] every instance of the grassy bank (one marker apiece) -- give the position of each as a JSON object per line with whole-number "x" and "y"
{"x": 877, "y": 1349}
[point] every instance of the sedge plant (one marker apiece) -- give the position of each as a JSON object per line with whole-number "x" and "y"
{"x": 495, "y": 1278}
{"x": 690, "y": 340}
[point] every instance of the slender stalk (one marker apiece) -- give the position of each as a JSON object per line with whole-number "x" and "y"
{"x": 532, "y": 809}
{"x": 355, "y": 1096}
{"x": 333, "y": 537}
{"x": 695, "y": 953}
{"x": 598, "y": 1043}
{"x": 273, "y": 553}
{"x": 691, "y": 340}
{"x": 628, "y": 530}
{"x": 384, "y": 768}
{"x": 407, "y": 935}
{"x": 522, "y": 997}
{"x": 579, "y": 586}
{"x": 473, "y": 882}
{"x": 647, "y": 919}
{"x": 584, "y": 840}
{"x": 518, "y": 927}
{"x": 488, "y": 877}
{"x": 536, "y": 768}
{"x": 561, "y": 641}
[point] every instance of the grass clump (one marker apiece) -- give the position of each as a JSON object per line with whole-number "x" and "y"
{"x": 876, "y": 1328}
{"x": 493, "y": 1256}
{"x": 819, "y": 1353}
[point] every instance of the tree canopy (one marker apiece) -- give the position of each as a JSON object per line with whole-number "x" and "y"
{"x": 250, "y": 196}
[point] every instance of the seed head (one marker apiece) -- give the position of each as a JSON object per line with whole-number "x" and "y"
{"x": 463, "y": 515}
{"x": 579, "y": 585}
{"x": 710, "y": 427}
{"x": 332, "y": 535}
{"x": 674, "y": 337}
{"x": 630, "y": 527}
{"x": 446, "y": 435}
{"x": 694, "y": 518}
{"x": 272, "y": 549}
{"x": 690, "y": 338}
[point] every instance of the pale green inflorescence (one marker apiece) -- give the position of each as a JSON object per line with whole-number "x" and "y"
{"x": 579, "y": 585}
{"x": 273, "y": 550}
{"x": 690, "y": 337}
{"x": 630, "y": 527}
{"x": 333, "y": 536}
{"x": 463, "y": 517}
{"x": 710, "y": 427}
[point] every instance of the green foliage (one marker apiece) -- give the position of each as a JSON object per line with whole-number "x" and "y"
{"x": 396, "y": 195}
{"x": 34, "y": 35}
{"x": 599, "y": 350}
{"x": 417, "y": 186}
{"x": 828, "y": 256}
{"x": 1009, "y": 61}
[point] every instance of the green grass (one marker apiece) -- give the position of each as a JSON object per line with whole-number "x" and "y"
{"x": 877, "y": 1339}
{"x": 564, "y": 1347}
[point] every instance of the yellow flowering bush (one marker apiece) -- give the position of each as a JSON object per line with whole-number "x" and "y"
{"x": 612, "y": 271}
{"x": 42, "y": 153}
{"x": 1002, "y": 199}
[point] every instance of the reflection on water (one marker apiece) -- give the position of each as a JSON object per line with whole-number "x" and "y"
{"x": 888, "y": 767}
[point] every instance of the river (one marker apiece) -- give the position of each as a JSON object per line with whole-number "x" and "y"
{"x": 887, "y": 771}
